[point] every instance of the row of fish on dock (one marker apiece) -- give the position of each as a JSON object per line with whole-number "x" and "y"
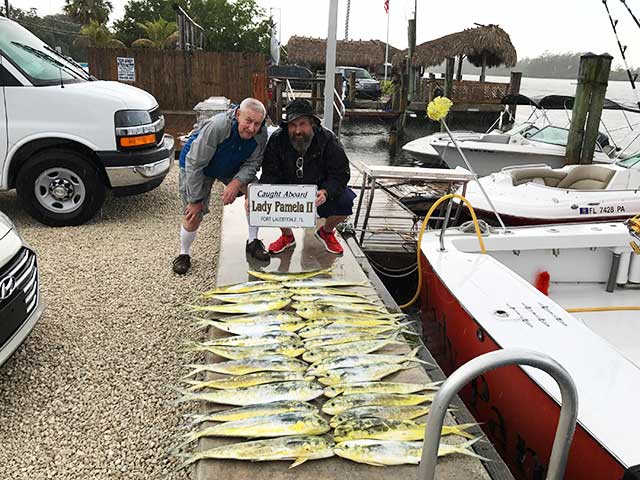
{"x": 297, "y": 338}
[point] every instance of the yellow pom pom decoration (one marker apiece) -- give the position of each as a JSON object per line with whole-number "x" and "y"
{"x": 438, "y": 108}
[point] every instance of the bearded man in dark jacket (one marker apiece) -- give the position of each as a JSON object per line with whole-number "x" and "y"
{"x": 301, "y": 151}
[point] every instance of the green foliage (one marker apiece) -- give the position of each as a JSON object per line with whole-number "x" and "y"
{"x": 387, "y": 87}
{"x": 97, "y": 33}
{"x": 158, "y": 31}
{"x": 84, "y": 11}
{"x": 136, "y": 12}
{"x": 55, "y": 30}
{"x": 240, "y": 26}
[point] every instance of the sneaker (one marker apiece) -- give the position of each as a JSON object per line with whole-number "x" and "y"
{"x": 256, "y": 250}
{"x": 282, "y": 243}
{"x": 182, "y": 264}
{"x": 331, "y": 243}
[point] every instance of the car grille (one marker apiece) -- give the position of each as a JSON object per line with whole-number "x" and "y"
{"x": 19, "y": 278}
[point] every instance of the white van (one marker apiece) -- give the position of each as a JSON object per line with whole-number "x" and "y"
{"x": 65, "y": 137}
{"x": 20, "y": 302}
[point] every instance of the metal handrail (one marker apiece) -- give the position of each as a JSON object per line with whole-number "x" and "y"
{"x": 490, "y": 361}
{"x": 339, "y": 106}
{"x": 290, "y": 90}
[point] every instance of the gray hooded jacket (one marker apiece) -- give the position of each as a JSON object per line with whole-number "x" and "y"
{"x": 213, "y": 133}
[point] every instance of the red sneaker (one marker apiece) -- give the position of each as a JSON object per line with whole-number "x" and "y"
{"x": 282, "y": 243}
{"x": 331, "y": 243}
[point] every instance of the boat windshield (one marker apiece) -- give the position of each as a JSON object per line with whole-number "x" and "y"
{"x": 522, "y": 129}
{"x": 630, "y": 162}
{"x": 551, "y": 135}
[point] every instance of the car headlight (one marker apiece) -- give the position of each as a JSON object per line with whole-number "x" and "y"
{"x": 137, "y": 128}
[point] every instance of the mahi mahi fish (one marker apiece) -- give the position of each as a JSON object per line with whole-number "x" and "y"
{"x": 243, "y": 307}
{"x": 344, "y": 402}
{"x": 327, "y": 291}
{"x": 333, "y": 299}
{"x": 402, "y": 412}
{"x": 288, "y": 277}
{"x": 302, "y": 391}
{"x": 385, "y": 429}
{"x": 335, "y": 314}
{"x": 255, "y": 340}
{"x": 263, "y": 363}
{"x": 363, "y": 373}
{"x": 250, "y": 411}
{"x": 244, "y": 288}
{"x": 378, "y": 387}
{"x": 299, "y": 448}
{"x": 348, "y": 360}
{"x": 288, "y": 349}
{"x": 389, "y": 452}
{"x": 277, "y": 425}
{"x": 237, "y": 381}
{"x": 322, "y": 329}
{"x": 363, "y": 346}
{"x": 255, "y": 329}
{"x": 340, "y": 307}
{"x": 321, "y": 283}
{"x": 252, "y": 297}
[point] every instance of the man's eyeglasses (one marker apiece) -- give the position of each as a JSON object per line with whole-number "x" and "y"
{"x": 299, "y": 167}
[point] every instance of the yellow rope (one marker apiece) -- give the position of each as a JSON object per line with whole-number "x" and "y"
{"x": 603, "y": 309}
{"x": 424, "y": 226}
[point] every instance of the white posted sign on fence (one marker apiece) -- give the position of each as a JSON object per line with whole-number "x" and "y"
{"x": 286, "y": 206}
{"x": 126, "y": 69}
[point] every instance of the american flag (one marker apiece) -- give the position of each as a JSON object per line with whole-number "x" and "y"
{"x": 386, "y": 6}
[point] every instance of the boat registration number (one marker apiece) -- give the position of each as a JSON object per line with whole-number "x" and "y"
{"x": 604, "y": 209}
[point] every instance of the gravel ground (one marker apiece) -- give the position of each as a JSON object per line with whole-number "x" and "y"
{"x": 86, "y": 395}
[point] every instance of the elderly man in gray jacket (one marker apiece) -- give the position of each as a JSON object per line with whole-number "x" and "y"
{"x": 229, "y": 148}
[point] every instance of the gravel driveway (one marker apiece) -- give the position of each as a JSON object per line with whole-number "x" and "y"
{"x": 86, "y": 395}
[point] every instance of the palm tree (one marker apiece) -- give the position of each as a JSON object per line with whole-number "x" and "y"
{"x": 84, "y": 11}
{"x": 97, "y": 34}
{"x": 158, "y": 31}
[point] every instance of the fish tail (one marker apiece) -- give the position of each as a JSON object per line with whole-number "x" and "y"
{"x": 200, "y": 323}
{"x": 461, "y": 429}
{"x": 406, "y": 331}
{"x": 196, "y": 418}
{"x": 188, "y": 458}
{"x": 413, "y": 356}
{"x": 465, "y": 449}
{"x": 195, "y": 369}
{"x": 185, "y": 395}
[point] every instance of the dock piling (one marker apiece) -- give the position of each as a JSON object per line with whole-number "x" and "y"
{"x": 593, "y": 76}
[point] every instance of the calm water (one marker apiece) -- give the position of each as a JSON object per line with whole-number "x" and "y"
{"x": 367, "y": 140}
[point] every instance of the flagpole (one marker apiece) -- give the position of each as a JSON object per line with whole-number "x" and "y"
{"x": 386, "y": 54}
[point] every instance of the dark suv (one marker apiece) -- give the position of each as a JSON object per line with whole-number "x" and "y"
{"x": 366, "y": 85}
{"x": 292, "y": 71}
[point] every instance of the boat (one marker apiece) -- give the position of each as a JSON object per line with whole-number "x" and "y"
{"x": 520, "y": 294}
{"x": 530, "y": 142}
{"x": 539, "y": 194}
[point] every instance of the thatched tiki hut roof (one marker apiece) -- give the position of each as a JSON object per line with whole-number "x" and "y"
{"x": 484, "y": 45}
{"x": 357, "y": 53}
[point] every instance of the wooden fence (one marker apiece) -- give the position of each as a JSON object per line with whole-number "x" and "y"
{"x": 179, "y": 80}
{"x": 466, "y": 91}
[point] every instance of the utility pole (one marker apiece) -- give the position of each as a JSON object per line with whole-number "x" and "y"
{"x": 330, "y": 65}
{"x": 6, "y": 8}
{"x": 346, "y": 22}
{"x": 412, "y": 48}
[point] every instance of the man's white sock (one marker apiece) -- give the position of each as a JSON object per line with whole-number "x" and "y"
{"x": 186, "y": 240}
{"x": 253, "y": 231}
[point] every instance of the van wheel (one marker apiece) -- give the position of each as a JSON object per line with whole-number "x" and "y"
{"x": 60, "y": 187}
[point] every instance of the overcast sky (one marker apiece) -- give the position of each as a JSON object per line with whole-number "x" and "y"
{"x": 534, "y": 27}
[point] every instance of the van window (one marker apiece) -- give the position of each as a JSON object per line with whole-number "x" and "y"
{"x": 28, "y": 54}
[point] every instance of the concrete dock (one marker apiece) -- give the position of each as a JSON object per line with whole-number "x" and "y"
{"x": 309, "y": 254}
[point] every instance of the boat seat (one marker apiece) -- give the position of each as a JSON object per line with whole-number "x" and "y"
{"x": 495, "y": 138}
{"x": 587, "y": 177}
{"x": 542, "y": 175}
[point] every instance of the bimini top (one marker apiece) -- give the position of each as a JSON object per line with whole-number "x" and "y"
{"x": 559, "y": 102}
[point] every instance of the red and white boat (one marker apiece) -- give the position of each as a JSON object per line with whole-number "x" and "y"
{"x": 539, "y": 194}
{"x": 474, "y": 303}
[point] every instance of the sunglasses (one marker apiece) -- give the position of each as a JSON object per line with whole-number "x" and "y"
{"x": 299, "y": 167}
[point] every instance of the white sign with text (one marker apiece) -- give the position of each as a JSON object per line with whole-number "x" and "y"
{"x": 126, "y": 69}
{"x": 286, "y": 206}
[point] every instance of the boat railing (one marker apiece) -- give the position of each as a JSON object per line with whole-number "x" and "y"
{"x": 490, "y": 361}
{"x": 527, "y": 165}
